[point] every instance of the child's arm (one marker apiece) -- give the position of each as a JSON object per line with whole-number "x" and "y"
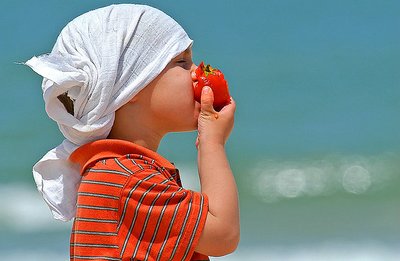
{"x": 221, "y": 232}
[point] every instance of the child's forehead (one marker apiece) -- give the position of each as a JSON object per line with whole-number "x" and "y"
{"x": 186, "y": 53}
{"x": 188, "y": 50}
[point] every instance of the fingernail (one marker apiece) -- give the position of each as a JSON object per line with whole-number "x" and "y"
{"x": 206, "y": 89}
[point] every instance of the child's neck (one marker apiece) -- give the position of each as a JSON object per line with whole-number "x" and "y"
{"x": 139, "y": 135}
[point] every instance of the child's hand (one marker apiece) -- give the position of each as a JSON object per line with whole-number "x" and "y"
{"x": 214, "y": 127}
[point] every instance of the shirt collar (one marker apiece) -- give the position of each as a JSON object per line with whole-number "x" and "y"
{"x": 112, "y": 148}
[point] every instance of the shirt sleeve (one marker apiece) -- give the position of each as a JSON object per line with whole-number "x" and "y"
{"x": 160, "y": 219}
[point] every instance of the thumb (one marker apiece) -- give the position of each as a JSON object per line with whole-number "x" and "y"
{"x": 207, "y": 100}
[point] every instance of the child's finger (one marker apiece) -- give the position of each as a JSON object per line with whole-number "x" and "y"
{"x": 207, "y": 100}
{"x": 197, "y": 142}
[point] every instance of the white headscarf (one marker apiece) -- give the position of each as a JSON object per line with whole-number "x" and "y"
{"x": 101, "y": 59}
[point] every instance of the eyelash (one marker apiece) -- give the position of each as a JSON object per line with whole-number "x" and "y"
{"x": 184, "y": 64}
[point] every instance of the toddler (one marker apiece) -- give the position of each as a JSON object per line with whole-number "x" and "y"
{"x": 118, "y": 79}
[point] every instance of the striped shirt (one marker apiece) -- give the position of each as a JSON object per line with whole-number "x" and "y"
{"x": 131, "y": 206}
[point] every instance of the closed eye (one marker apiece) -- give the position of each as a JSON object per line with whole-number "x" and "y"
{"x": 184, "y": 63}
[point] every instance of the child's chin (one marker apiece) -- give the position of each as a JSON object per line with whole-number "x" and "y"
{"x": 193, "y": 126}
{"x": 196, "y": 114}
{"x": 189, "y": 126}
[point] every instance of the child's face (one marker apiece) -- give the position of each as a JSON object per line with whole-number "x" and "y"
{"x": 170, "y": 96}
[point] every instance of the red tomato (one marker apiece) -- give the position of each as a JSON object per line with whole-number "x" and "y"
{"x": 214, "y": 78}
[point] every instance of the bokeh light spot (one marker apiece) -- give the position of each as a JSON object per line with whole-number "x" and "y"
{"x": 290, "y": 183}
{"x": 356, "y": 179}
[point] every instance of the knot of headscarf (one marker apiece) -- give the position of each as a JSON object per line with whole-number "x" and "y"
{"x": 100, "y": 60}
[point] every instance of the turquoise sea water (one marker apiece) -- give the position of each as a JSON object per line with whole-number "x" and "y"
{"x": 316, "y": 144}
